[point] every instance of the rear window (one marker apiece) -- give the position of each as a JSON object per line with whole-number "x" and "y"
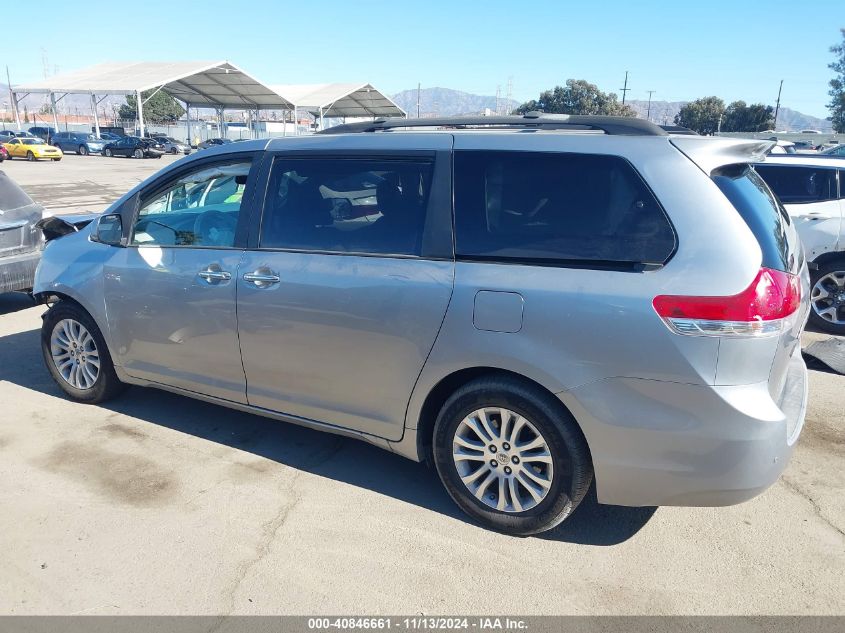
{"x": 798, "y": 185}
{"x": 557, "y": 208}
{"x": 762, "y": 212}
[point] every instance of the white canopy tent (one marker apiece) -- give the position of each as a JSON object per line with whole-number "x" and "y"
{"x": 219, "y": 85}
{"x": 339, "y": 100}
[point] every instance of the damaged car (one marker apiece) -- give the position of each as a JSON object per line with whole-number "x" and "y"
{"x": 21, "y": 240}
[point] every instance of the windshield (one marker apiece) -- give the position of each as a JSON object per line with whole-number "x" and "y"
{"x": 32, "y": 141}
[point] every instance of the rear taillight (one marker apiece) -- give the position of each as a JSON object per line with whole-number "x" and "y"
{"x": 759, "y": 310}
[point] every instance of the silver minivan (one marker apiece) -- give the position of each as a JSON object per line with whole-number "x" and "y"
{"x": 530, "y": 304}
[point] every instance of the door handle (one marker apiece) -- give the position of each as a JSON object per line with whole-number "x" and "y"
{"x": 262, "y": 279}
{"x": 211, "y": 275}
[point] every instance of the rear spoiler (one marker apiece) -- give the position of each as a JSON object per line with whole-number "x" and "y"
{"x": 56, "y": 226}
{"x": 710, "y": 152}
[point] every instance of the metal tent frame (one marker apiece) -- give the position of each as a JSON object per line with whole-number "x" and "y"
{"x": 339, "y": 100}
{"x": 211, "y": 84}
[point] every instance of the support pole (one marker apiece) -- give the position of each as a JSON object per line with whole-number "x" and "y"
{"x": 140, "y": 108}
{"x": 321, "y": 118}
{"x": 17, "y": 111}
{"x": 55, "y": 114}
{"x": 96, "y": 116}
{"x": 188, "y": 123}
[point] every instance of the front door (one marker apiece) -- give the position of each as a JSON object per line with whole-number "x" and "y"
{"x": 170, "y": 294}
{"x": 342, "y": 300}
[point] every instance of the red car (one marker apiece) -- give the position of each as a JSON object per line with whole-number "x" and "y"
{"x": 4, "y": 153}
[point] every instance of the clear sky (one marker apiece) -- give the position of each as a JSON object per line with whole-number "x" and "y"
{"x": 681, "y": 49}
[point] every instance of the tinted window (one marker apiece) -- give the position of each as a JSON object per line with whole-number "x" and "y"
{"x": 760, "y": 209}
{"x": 363, "y": 206}
{"x": 555, "y": 208}
{"x": 199, "y": 208}
{"x": 795, "y": 185}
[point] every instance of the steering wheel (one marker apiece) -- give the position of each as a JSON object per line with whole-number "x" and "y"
{"x": 215, "y": 228}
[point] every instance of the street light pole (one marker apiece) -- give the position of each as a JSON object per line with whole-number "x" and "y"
{"x": 648, "y": 111}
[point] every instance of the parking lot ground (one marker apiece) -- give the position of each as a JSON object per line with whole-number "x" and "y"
{"x": 158, "y": 504}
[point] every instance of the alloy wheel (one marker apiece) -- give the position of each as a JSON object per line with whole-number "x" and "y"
{"x": 828, "y": 297}
{"x": 74, "y": 353}
{"x": 503, "y": 459}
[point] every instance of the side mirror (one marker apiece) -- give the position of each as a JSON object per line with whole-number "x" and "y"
{"x": 109, "y": 230}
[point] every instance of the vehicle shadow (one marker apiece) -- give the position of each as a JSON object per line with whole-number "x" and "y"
{"x": 15, "y": 302}
{"x": 334, "y": 457}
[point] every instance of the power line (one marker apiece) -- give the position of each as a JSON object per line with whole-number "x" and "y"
{"x": 625, "y": 88}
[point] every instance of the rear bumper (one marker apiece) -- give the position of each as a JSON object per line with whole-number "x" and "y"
{"x": 17, "y": 272}
{"x": 661, "y": 443}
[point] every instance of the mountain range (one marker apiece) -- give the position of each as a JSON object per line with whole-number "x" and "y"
{"x": 448, "y": 102}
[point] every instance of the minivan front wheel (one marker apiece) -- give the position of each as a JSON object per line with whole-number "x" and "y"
{"x": 511, "y": 456}
{"x": 76, "y": 355}
{"x": 827, "y": 297}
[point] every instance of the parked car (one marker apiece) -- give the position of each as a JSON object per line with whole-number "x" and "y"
{"x": 32, "y": 148}
{"x": 7, "y": 134}
{"x": 135, "y": 147}
{"x": 812, "y": 190}
{"x": 110, "y": 132}
{"x": 44, "y": 133}
{"x": 80, "y": 142}
{"x": 20, "y": 241}
{"x": 4, "y": 153}
{"x": 110, "y": 136}
{"x": 174, "y": 146}
{"x": 213, "y": 142}
{"x": 836, "y": 150}
{"x": 524, "y": 311}
{"x": 783, "y": 147}
{"x": 805, "y": 147}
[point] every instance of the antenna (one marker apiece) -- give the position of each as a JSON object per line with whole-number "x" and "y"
{"x": 777, "y": 107}
{"x": 625, "y": 88}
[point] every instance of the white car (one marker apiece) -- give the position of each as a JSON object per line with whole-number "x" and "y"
{"x": 813, "y": 192}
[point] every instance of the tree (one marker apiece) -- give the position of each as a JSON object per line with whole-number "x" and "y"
{"x": 744, "y": 118}
{"x": 837, "y": 86}
{"x": 577, "y": 97}
{"x": 25, "y": 115}
{"x": 46, "y": 109}
{"x": 702, "y": 115}
{"x": 161, "y": 108}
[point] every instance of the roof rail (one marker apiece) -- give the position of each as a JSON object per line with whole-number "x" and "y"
{"x": 615, "y": 125}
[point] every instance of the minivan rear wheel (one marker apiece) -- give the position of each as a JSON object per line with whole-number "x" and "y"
{"x": 827, "y": 297}
{"x": 76, "y": 355}
{"x": 511, "y": 456}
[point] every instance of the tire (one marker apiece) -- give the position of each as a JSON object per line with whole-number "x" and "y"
{"x": 58, "y": 332}
{"x": 828, "y": 291}
{"x": 30, "y": 157}
{"x": 82, "y": 150}
{"x": 107, "y": 153}
{"x": 138, "y": 153}
{"x": 173, "y": 150}
{"x": 56, "y": 160}
{"x": 566, "y": 466}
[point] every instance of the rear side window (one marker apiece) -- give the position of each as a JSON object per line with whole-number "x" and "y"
{"x": 350, "y": 205}
{"x": 557, "y": 208}
{"x": 761, "y": 211}
{"x": 797, "y": 185}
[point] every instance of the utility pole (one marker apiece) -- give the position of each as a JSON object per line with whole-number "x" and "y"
{"x": 625, "y": 88}
{"x": 510, "y": 95}
{"x": 777, "y": 107}
{"x": 419, "y": 88}
{"x": 648, "y": 111}
{"x": 498, "y": 94}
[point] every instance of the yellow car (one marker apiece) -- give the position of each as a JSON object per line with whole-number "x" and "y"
{"x": 31, "y": 148}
